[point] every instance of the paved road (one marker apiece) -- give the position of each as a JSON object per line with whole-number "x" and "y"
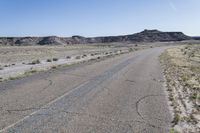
{"x": 124, "y": 94}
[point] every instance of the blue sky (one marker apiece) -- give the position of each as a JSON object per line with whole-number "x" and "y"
{"x": 97, "y": 17}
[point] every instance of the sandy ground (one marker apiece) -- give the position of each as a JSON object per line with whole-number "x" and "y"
{"x": 182, "y": 72}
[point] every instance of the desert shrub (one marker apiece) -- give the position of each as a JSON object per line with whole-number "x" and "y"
{"x": 30, "y": 72}
{"x": 35, "y": 62}
{"x": 194, "y": 96}
{"x": 55, "y": 59}
{"x": 12, "y": 78}
{"x": 68, "y": 57}
{"x": 6, "y": 65}
{"x": 84, "y": 56}
{"x": 130, "y": 49}
{"x": 176, "y": 119}
{"x": 49, "y": 60}
{"x": 53, "y": 67}
{"x": 78, "y": 57}
{"x": 173, "y": 131}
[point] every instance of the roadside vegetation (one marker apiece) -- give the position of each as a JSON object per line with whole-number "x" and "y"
{"x": 50, "y": 57}
{"x": 182, "y": 73}
{"x": 34, "y": 62}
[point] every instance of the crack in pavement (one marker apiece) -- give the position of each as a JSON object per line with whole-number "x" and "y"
{"x": 22, "y": 110}
{"x": 50, "y": 83}
{"x": 138, "y": 112}
{"x": 131, "y": 81}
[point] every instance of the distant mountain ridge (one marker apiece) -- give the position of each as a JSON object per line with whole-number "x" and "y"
{"x": 196, "y": 37}
{"x": 144, "y": 36}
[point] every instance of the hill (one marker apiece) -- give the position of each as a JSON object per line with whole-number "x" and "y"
{"x": 144, "y": 36}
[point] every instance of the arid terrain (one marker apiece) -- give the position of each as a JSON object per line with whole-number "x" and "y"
{"x": 145, "y": 85}
{"x": 144, "y": 36}
{"x": 182, "y": 73}
{"x": 16, "y": 61}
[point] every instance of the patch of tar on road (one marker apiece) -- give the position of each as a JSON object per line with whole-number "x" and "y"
{"x": 24, "y": 109}
{"x": 130, "y": 81}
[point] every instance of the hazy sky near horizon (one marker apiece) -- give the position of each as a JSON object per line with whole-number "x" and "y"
{"x": 97, "y": 17}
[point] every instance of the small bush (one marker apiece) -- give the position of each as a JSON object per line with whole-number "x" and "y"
{"x": 78, "y": 57}
{"x": 53, "y": 67}
{"x": 35, "y": 62}
{"x": 49, "y": 60}
{"x": 176, "y": 119}
{"x": 130, "y": 49}
{"x": 30, "y": 72}
{"x": 171, "y": 98}
{"x": 55, "y": 59}
{"x": 194, "y": 96}
{"x": 173, "y": 131}
{"x": 84, "y": 56}
{"x": 68, "y": 57}
{"x": 6, "y": 65}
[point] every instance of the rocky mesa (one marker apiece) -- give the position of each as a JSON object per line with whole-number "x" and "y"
{"x": 144, "y": 36}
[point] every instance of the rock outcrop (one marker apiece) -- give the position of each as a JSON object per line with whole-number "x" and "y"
{"x": 144, "y": 36}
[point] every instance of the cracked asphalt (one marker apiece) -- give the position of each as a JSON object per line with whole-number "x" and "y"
{"x": 122, "y": 94}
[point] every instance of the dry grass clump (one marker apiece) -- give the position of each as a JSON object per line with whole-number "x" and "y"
{"x": 34, "y": 62}
{"x": 78, "y": 57}
{"x": 84, "y": 56}
{"x": 55, "y": 59}
{"x": 49, "y": 60}
{"x": 53, "y": 67}
{"x": 68, "y": 57}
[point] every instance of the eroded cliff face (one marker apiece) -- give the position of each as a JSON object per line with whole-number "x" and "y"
{"x": 144, "y": 36}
